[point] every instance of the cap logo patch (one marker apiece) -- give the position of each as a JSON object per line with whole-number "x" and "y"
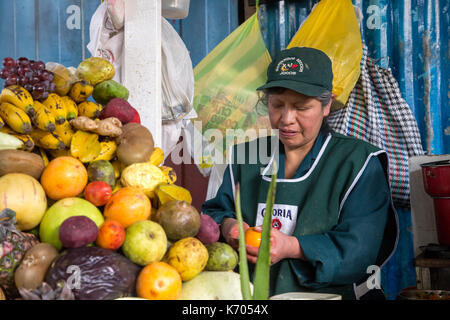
{"x": 289, "y": 66}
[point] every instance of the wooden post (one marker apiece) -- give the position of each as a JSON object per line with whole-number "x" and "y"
{"x": 141, "y": 71}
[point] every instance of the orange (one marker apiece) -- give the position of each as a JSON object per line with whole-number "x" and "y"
{"x": 127, "y": 206}
{"x": 64, "y": 177}
{"x": 252, "y": 237}
{"x": 159, "y": 281}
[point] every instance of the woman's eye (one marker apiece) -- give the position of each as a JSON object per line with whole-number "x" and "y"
{"x": 302, "y": 108}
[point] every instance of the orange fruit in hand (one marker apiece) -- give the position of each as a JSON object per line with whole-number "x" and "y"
{"x": 64, "y": 177}
{"x": 252, "y": 237}
{"x": 127, "y": 206}
{"x": 159, "y": 281}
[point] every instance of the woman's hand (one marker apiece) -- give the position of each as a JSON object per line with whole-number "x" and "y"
{"x": 230, "y": 231}
{"x": 282, "y": 246}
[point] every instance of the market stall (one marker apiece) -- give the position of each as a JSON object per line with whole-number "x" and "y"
{"x": 88, "y": 193}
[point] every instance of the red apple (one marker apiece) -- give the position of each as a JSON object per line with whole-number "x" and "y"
{"x": 98, "y": 193}
{"x": 136, "y": 118}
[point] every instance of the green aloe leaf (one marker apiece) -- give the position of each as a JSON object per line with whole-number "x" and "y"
{"x": 243, "y": 266}
{"x": 262, "y": 269}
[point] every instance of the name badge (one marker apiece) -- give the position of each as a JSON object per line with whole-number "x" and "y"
{"x": 284, "y": 217}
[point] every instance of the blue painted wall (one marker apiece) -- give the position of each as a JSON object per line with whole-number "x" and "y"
{"x": 49, "y": 30}
{"x": 58, "y": 30}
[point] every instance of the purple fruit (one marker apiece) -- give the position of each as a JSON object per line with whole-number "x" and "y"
{"x": 4, "y": 74}
{"x": 209, "y": 230}
{"x": 77, "y": 231}
{"x": 8, "y": 62}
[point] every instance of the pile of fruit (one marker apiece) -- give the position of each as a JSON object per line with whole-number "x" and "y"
{"x": 88, "y": 209}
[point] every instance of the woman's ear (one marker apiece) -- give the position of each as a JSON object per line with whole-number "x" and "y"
{"x": 326, "y": 109}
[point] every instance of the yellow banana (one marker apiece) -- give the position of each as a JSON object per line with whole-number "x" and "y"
{"x": 89, "y": 109}
{"x": 2, "y": 123}
{"x": 15, "y": 117}
{"x": 81, "y": 91}
{"x": 44, "y": 118}
{"x": 56, "y": 107}
{"x": 107, "y": 151}
{"x": 28, "y": 143}
{"x": 71, "y": 108}
{"x": 19, "y": 97}
{"x": 64, "y": 132}
{"x": 47, "y": 140}
{"x": 44, "y": 156}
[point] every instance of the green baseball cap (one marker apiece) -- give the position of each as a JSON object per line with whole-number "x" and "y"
{"x": 304, "y": 70}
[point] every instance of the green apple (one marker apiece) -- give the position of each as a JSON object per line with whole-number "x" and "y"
{"x": 145, "y": 242}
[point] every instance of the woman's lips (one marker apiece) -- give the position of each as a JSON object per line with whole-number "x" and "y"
{"x": 288, "y": 133}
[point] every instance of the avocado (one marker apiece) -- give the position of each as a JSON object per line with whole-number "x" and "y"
{"x": 107, "y": 90}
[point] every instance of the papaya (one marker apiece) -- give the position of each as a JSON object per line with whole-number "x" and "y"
{"x": 108, "y": 90}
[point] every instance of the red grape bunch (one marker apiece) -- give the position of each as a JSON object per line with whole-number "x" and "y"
{"x": 29, "y": 74}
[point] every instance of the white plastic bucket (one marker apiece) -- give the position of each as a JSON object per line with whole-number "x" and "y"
{"x": 175, "y": 9}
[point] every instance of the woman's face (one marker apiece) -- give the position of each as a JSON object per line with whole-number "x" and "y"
{"x": 298, "y": 118}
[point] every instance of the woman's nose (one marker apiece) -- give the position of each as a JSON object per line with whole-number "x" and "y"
{"x": 287, "y": 115}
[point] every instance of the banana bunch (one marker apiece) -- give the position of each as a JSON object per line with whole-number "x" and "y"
{"x": 19, "y": 97}
{"x": 46, "y": 123}
{"x": 47, "y": 140}
{"x": 64, "y": 132}
{"x": 15, "y": 117}
{"x": 44, "y": 118}
{"x": 71, "y": 107}
{"x": 55, "y": 105}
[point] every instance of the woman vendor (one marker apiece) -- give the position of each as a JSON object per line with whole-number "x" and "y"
{"x": 333, "y": 219}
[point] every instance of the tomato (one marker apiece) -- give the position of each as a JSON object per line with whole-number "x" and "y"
{"x": 98, "y": 193}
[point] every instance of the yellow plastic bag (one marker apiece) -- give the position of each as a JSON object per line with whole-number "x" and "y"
{"x": 226, "y": 80}
{"x": 333, "y": 27}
